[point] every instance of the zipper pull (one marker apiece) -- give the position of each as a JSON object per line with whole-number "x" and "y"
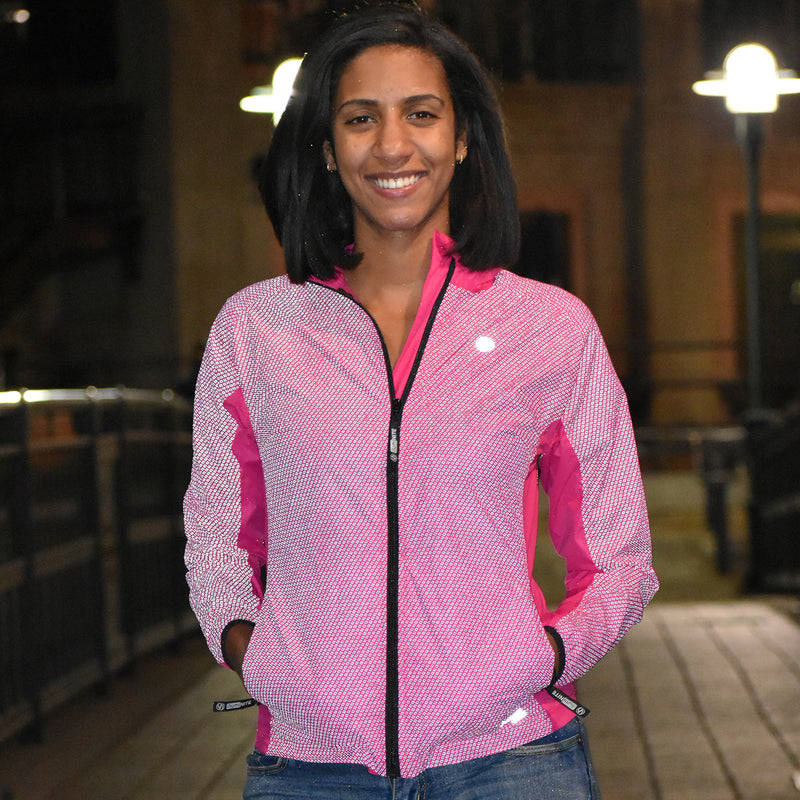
{"x": 573, "y": 705}
{"x": 393, "y": 444}
{"x": 233, "y": 705}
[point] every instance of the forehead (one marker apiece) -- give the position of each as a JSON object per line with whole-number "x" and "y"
{"x": 393, "y": 69}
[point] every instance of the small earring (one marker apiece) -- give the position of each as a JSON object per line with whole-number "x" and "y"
{"x": 460, "y": 159}
{"x": 331, "y": 167}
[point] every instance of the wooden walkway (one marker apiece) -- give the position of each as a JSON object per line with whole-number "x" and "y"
{"x": 701, "y": 701}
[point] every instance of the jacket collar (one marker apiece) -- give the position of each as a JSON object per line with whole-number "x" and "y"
{"x": 462, "y": 277}
{"x": 441, "y": 254}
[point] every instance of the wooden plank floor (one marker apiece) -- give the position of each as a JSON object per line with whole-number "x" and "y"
{"x": 699, "y": 702}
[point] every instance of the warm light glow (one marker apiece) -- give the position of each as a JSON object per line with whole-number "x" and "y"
{"x": 750, "y": 81}
{"x": 273, "y": 99}
{"x": 752, "y": 75}
{"x": 36, "y": 395}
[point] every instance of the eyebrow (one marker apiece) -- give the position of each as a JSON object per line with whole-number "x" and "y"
{"x": 415, "y": 98}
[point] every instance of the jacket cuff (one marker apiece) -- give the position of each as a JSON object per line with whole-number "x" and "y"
{"x": 224, "y": 635}
{"x": 561, "y": 654}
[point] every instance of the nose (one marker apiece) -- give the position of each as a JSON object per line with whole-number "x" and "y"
{"x": 392, "y": 142}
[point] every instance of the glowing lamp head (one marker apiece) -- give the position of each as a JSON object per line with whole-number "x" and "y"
{"x": 752, "y": 75}
{"x": 750, "y": 81}
{"x": 273, "y": 99}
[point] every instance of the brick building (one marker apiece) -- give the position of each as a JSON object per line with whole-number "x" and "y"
{"x": 129, "y": 213}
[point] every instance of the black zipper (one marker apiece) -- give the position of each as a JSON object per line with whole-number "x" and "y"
{"x": 392, "y": 718}
{"x": 392, "y": 593}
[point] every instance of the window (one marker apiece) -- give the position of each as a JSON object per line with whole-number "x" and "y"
{"x": 585, "y": 41}
{"x": 773, "y": 23}
{"x": 571, "y": 41}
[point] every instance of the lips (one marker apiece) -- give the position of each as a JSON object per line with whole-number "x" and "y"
{"x": 397, "y": 182}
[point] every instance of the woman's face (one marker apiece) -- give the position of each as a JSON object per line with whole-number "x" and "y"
{"x": 395, "y": 140}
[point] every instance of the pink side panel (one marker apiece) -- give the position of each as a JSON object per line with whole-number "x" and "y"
{"x": 563, "y": 482}
{"x": 253, "y": 526}
{"x": 559, "y": 714}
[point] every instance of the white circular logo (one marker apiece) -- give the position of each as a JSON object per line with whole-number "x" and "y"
{"x": 484, "y": 344}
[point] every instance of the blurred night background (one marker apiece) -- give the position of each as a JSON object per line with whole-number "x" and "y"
{"x": 129, "y": 213}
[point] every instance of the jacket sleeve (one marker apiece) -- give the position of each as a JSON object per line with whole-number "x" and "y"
{"x": 598, "y": 517}
{"x": 224, "y": 506}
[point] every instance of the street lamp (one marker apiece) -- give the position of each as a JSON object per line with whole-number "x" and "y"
{"x": 273, "y": 99}
{"x": 751, "y": 83}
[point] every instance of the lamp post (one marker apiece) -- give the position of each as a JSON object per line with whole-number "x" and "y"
{"x": 750, "y": 82}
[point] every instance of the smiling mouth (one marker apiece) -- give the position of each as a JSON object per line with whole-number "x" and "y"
{"x": 397, "y": 183}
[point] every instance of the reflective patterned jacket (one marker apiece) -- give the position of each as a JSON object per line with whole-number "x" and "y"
{"x": 378, "y": 525}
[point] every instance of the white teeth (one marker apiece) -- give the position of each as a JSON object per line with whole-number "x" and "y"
{"x": 396, "y": 183}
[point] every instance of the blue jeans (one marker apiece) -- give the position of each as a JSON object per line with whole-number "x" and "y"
{"x": 556, "y": 767}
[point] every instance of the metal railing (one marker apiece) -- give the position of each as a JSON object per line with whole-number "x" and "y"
{"x": 715, "y": 454}
{"x": 91, "y": 540}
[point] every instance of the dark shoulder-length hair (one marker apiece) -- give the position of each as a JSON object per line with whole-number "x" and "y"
{"x": 309, "y": 208}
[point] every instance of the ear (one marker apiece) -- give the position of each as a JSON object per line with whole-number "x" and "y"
{"x": 330, "y": 158}
{"x": 461, "y": 146}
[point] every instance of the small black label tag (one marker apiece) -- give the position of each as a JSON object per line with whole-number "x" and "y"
{"x": 233, "y": 705}
{"x": 573, "y": 705}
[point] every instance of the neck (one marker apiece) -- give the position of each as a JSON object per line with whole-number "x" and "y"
{"x": 391, "y": 264}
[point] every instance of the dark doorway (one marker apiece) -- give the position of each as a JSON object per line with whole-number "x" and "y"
{"x": 544, "y": 248}
{"x": 779, "y": 288}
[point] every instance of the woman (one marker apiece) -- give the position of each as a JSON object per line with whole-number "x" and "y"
{"x": 370, "y": 434}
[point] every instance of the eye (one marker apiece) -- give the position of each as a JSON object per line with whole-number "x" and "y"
{"x": 422, "y": 114}
{"x": 359, "y": 119}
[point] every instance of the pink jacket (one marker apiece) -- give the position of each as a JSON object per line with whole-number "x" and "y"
{"x": 394, "y": 513}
